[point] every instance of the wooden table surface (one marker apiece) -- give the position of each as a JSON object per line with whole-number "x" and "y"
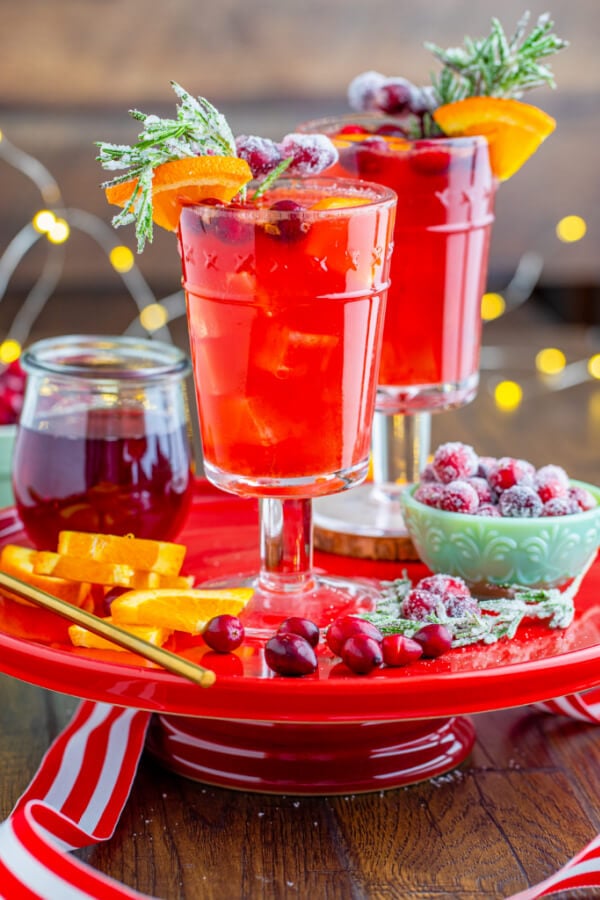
{"x": 526, "y": 800}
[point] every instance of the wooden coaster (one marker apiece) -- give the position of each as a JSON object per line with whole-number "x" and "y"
{"x": 365, "y": 546}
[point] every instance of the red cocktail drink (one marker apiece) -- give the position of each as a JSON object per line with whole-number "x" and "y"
{"x": 285, "y": 307}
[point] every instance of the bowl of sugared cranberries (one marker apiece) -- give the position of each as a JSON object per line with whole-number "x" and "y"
{"x": 12, "y": 390}
{"x": 501, "y": 520}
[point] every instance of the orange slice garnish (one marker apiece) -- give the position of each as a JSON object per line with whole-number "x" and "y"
{"x": 81, "y": 637}
{"x": 183, "y": 181}
{"x": 179, "y": 610}
{"x": 340, "y": 202}
{"x": 144, "y": 554}
{"x": 74, "y": 568}
{"x": 514, "y": 130}
{"x": 19, "y": 562}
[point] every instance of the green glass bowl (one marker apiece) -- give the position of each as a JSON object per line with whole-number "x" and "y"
{"x": 541, "y": 552}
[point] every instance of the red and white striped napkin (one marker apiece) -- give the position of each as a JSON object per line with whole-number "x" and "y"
{"x": 79, "y": 791}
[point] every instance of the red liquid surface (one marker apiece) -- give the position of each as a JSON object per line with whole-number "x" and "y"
{"x": 137, "y": 482}
{"x": 285, "y": 329}
{"x": 444, "y": 215}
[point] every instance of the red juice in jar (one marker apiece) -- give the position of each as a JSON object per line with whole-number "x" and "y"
{"x": 445, "y": 189}
{"x": 285, "y": 299}
{"x": 121, "y": 475}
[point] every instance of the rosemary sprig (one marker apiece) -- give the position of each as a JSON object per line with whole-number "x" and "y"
{"x": 497, "y": 65}
{"x": 199, "y": 129}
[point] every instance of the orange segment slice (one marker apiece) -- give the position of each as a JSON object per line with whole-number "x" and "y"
{"x": 340, "y": 202}
{"x": 19, "y": 562}
{"x": 81, "y": 637}
{"x": 183, "y": 181}
{"x": 180, "y": 610}
{"x": 162, "y": 557}
{"x": 514, "y": 130}
{"x": 45, "y": 562}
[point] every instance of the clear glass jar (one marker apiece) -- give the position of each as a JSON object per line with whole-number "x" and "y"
{"x": 103, "y": 443}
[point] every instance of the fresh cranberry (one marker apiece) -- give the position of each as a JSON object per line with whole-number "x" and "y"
{"x": 289, "y": 227}
{"x": 361, "y": 654}
{"x": 111, "y": 595}
{"x": 429, "y": 493}
{"x": 399, "y": 650}
{"x": 304, "y": 627}
{"x": 290, "y": 654}
{"x": 430, "y": 160}
{"x": 353, "y": 129}
{"x": 374, "y": 144}
{"x": 261, "y": 154}
{"x": 459, "y": 497}
{"x": 347, "y": 626}
{"x": 394, "y": 96}
{"x": 434, "y": 639}
{"x": 557, "y": 506}
{"x": 311, "y": 153}
{"x": 582, "y": 498}
{"x": 454, "y": 460}
{"x": 389, "y": 129}
{"x": 507, "y": 472}
{"x": 223, "y": 633}
{"x": 419, "y": 603}
{"x": 520, "y": 501}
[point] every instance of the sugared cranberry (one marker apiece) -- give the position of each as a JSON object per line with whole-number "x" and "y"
{"x": 488, "y": 509}
{"x": 361, "y": 654}
{"x": 394, "y": 96}
{"x": 484, "y": 491}
{"x": 459, "y": 497}
{"x": 362, "y": 90}
{"x": 486, "y": 464}
{"x": 507, "y": 472}
{"x": 399, "y": 650}
{"x": 434, "y": 639}
{"x": 261, "y": 154}
{"x": 428, "y": 473}
{"x": 290, "y": 654}
{"x": 223, "y": 633}
{"x": 424, "y": 100}
{"x": 454, "y": 460}
{"x": 443, "y": 584}
{"x": 429, "y": 493}
{"x": 583, "y": 498}
{"x": 520, "y": 501}
{"x": 557, "y": 506}
{"x": 347, "y": 626}
{"x": 311, "y": 153}
{"x": 304, "y": 627}
{"x": 419, "y": 603}
{"x": 551, "y": 481}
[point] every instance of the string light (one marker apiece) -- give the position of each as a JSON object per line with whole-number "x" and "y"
{"x": 153, "y": 317}
{"x": 593, "y": 366}
{"x": 570, "y": 229}
{"x": 44, "y": 221}
{"x": 550, "y": 361}
{"x": 492, "y": 306}
{"x": 58, "y": 232}
{"x": 9, "y": 352}
{"x": 508, "y": 395}
{"x": 121, "y": 259}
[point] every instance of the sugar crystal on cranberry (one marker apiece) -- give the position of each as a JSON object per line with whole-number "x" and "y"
{"x": 459, "y": 496}
{"x": 311, "y": 153}
{"x": 362, "y": 90}
{"x": 520, "y": 501}
{"x": 419, "y": 603}
{"x": 261, "y": 154}
{"x": 454, "y": 460}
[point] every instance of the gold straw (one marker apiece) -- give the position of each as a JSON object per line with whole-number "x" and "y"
{"x": 164, "y": 658}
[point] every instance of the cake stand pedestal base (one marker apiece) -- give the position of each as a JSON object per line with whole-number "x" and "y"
{"x": 310, "y": 759}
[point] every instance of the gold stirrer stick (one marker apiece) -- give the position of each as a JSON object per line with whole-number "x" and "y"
{"x": 164, "y": 658}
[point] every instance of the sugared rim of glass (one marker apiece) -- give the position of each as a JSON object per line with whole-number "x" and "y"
{"x": 369, "y": 193}
{"x": 100, "y": 357}
{"x": 329, "y": 125}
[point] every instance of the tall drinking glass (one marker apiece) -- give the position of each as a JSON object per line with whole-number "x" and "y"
{"x": 285, "y": 303}
{"x": 432, "y": 334}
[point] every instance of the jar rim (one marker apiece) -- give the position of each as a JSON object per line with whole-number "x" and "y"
{"x": 101, "y": 357}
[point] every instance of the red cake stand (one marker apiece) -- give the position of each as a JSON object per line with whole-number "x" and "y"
{"x": 331, "y": 732}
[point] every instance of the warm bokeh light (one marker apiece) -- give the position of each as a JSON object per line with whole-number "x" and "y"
{"x": 9, "y": 351}
{"x": 508, "y": 395}
{"x": 492, "y": 306}
{"x": 570, "y": 229}
{"x": 594, "y": 365}
{"x": 121, "y": 259}
{"x": 153, "y": 317}
{"x": 550, "y": 361}
{"x": 59, "y": 232}
{"x": 43, "y": 221}
{"x": 0, "y": 134}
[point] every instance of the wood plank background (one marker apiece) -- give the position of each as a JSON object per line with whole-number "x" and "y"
{"x": 70, "y": 70}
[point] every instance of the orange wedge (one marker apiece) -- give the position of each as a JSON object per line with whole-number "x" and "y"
{"x": 81, "y": 637}
{"x": 19, "y": 562}
{"x": 188, "y": 610}
{"x": 147, "y": 555}
{"x": 183, "y": 181}
{"x": 340, "y": 202}
{"x": 514, "y": 130}
{"x": 45, "y": 562}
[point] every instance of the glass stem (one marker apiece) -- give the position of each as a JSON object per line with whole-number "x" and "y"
{"x": 400, "y": 445}
{"x": 286, "y": 544}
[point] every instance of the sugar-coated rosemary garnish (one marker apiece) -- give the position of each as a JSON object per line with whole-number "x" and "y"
{"x": 499, "y": 617}
{"x": 199, "y": 129}
{"x": 497, "y": 65}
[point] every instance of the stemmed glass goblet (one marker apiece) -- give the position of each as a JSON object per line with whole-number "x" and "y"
{"x": 432, "y": 333}
{"x": 285, "y": 302}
